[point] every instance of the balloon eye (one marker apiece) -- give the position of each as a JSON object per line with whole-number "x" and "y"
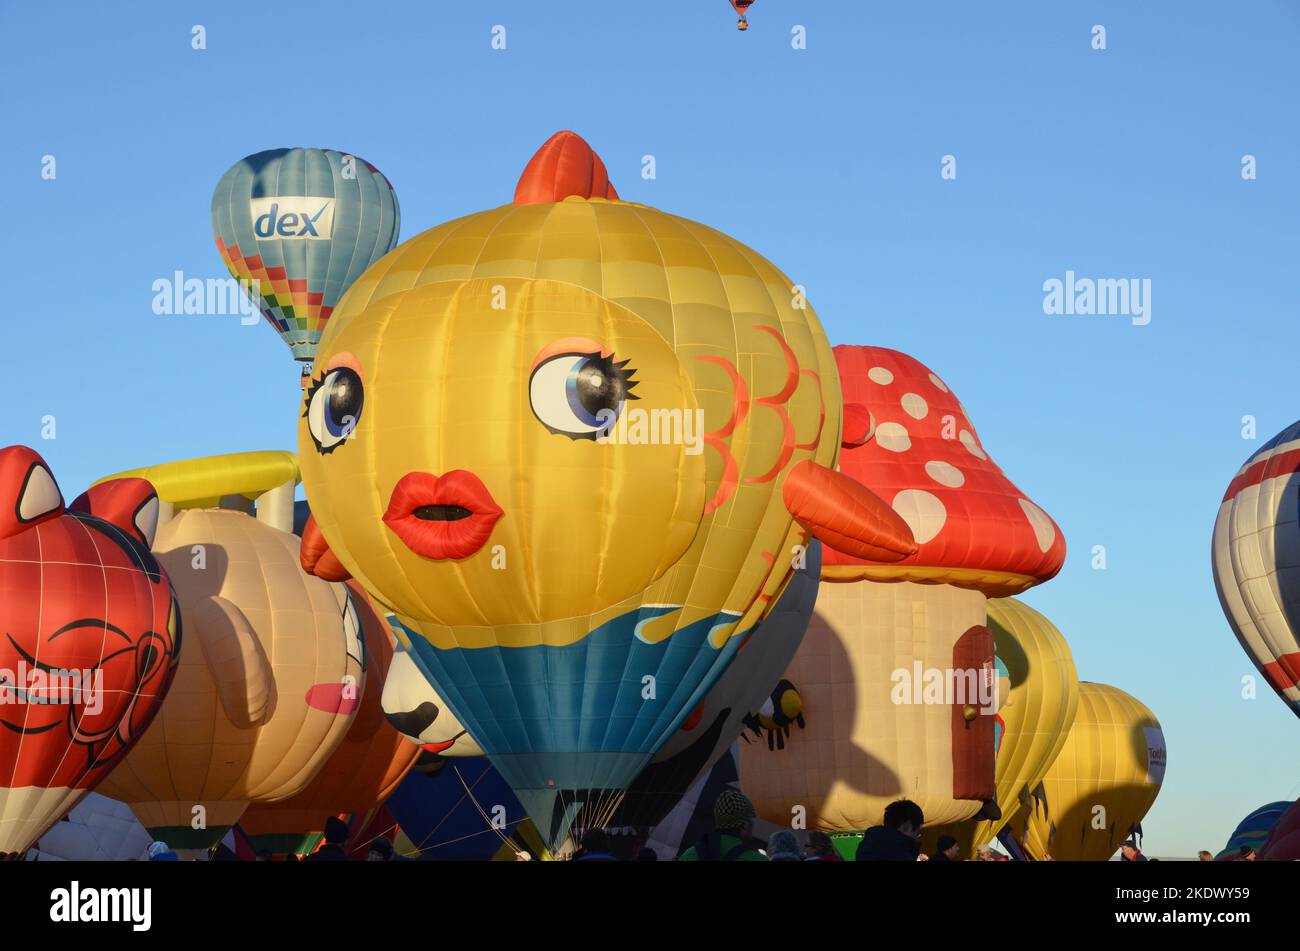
{"x": 580, "y": 394}
{"x": 334, "y": 408}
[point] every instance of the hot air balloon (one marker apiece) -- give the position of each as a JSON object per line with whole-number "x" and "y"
{"x": 1253, "y": 831}
{"x": 635, "y": 428}
{"x": 97, "y": 829}
{"x": 1110, "y": 769}
{"x": 273, "y": 666}
{"x": 303, "y": 224}
{"x": 713, "y": 726}
{"x": 364, "y": 770}
{"x": 464, "y": 810}
{"x": 898, "y": 656}
{"x": 91, "y": 634}
{"x": 415, "y": 710}
{"x": 1257, "y": 561}
{"x": 1035, "y": 716}
{"x": 1283, "y": 844}
{"x": 741, "y": 7}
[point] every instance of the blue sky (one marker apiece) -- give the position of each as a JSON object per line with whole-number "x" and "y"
{"x": 1117, "y": 163}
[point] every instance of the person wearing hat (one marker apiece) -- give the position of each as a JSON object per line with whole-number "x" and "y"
{"x": 948, "y": 850}
{"x": 336, "y": 834}
{"x": 160, "y": 851}
{"x": 731, "y": 839}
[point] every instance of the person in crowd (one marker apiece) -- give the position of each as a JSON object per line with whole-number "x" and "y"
{"x": 1248, "y": 854}
{"x": 595, "y": 847}
{"x": 1205, "y": 856}
{"x": 783, "y": 847}
{"x": 160, "y": 851}
{"x": 1129, "y": 852}
{"x": 820, "y": 848}
{"x": 336, "y": 834}
{"x": 897, "y": 839}
{"x": 948, "y": 850}
{"x": 731, "y": 839}
{"x": 984, "y": 854}
{"x": 381, "y": 850}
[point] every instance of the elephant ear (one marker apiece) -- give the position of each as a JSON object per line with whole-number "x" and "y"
{"x": 236, "y": 660}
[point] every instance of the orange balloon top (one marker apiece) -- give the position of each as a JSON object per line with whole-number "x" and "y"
{"x": 564, "y": 167}
{"x": 974, "y": 528}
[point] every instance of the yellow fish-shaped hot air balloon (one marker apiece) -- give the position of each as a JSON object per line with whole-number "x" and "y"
{"x": 575, "y": 444}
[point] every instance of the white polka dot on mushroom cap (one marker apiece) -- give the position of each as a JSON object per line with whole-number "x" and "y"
{"x": 968, "y": 440}
{"x": 880, "y": 375}
{"x": 938, "y": 382}
{"x": 893, "y": 437}
{"x": 945, "y": 473}
{"x": 923, "y": 512}
{"x": 915, "y": 406}
{"x": 1044, "y": 530}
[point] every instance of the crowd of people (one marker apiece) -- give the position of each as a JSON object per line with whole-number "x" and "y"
{"x": 731, "y": 839}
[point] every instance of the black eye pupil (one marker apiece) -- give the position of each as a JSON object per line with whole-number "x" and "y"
{"x": 344, "y": 397}
{"x": 599, "y": 389}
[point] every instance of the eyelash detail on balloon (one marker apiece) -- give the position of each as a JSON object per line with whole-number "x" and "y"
{"x": 580, "y": 393}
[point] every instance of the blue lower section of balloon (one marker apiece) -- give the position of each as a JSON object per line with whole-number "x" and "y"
{"x": 587, "y": 715}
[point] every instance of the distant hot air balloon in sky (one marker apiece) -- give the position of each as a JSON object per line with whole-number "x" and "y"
{"x": 89, "y": 638}
{"x": 741, "y": 7}
{"x": 571, "y": 582}
{"x": 1104, "y": 780}
{"x": 1256, "y": 556}
{"x": 303, "y": 224}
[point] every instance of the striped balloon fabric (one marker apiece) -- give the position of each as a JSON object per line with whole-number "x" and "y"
{"x": 303, "y": 224}
{"x": 1256, "y": 557}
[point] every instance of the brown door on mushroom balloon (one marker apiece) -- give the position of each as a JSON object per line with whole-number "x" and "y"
{"x": 972, "y": 724}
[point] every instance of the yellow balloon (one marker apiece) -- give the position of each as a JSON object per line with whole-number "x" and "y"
{"x": 1102, "y": 783}
{"x": 272, "y": 662}
{"x": 1036, "y": 714}
{"x": 557, "y": 439}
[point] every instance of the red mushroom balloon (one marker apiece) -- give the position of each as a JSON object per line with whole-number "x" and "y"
{"x": 91, "y": 638}
{"x": 919, "y": 622}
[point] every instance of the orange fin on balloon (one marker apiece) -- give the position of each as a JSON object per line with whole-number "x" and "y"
{"x": 564, "y": 167}
{"x": 315, "y": 556}
{"x": 845, "y": 514}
